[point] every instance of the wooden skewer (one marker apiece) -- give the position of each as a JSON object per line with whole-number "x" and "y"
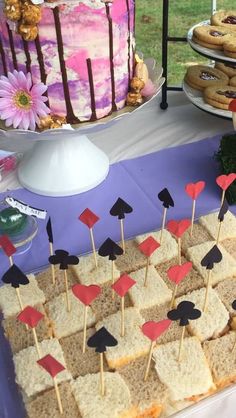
{"x": 218, "y": 234}
{"x": 36, "y": 343}
{"x": 93, "y": 246}
{"x": 20, "y": 302}
{"x": 85, "y": 325}
{"x": 207, "y": 290}
{"x": 102, "y": 385}
{"x": 122, "y": 235}
{"x": 58, "y": 396}
{"x": 112, "y": 277}
{"x": 146, "y": 272}
{"x": 149, "y": 360}
{"x": 67, "y": 294}
{"x": 234, "y": 346}
{"x": 181, "y": 343}
{"x": 173, "y": 296}
{"x": 11, "y": 260}
{"x": 122, "y": 317}
{"x": 179, "y": 250}
{"x": 163, "y": 223}
{"x": 52, "y": 266}
{"x": 192, "y": 219}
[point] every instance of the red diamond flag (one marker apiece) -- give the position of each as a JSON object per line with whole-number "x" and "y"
{"x": 30, "y": 316}
{"x": 123, "y": 284}
{"x": 178, "y": 228}
{"x": 51, "y": 365}
{"x": 86, "y": 294}
{"x": 148, "y": 246}
{"x": 88, "y": 218}
{"x": 7, "y": 245}
{"x": 153, "y": 329}
{"x": 177, "y": 273}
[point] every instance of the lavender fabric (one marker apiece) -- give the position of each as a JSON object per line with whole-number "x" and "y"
{"x": 137, "y": 181}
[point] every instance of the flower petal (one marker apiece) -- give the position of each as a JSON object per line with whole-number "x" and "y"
{"x": 7, "y": 113}
{"x": 17, "y": 119}
{"x": 38, "y": 89}
{"x": 13, "y": 80}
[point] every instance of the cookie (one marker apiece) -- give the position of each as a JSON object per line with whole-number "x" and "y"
{"x": 229, "y": 47}
{"x": 211, "y": 36}
{"x": 202, "y": 76}
{"x": 225, "y": 18}
{"x": 219, "y": 96}
{"x": 232, "y": 81}
{"x": 228, "y": 69}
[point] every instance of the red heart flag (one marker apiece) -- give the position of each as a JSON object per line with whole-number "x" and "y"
{"x": 51, "y": 365}
{"x": 30, "y": 316}
{"x": 88, "y": 218}
{"x": 177, "y": 273}
{"x": 178, "y": 228}
{"x": 148, "y": 246}
{"x": 153, "y": 329}
{"x": 194, "y": 189}
{"x": 7, "y": 245}
{"x": 225, "y": 181}
{"x": 123, "y": 284}
{"x": 86, "y": 294}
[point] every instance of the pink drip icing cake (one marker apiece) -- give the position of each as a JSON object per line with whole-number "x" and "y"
{"x": 83, "y": 52}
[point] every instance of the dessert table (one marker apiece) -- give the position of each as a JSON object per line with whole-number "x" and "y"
{"x": 187, "y": 140}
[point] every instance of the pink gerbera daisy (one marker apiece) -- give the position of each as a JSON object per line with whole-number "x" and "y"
{"x": 21, "y": 102}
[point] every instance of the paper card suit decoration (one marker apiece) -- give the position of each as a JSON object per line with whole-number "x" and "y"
{"x": 110, "y": 249}
{"x": 49, "y": 230}
{"x": 225, "y": 180}
{"x": 63, "y": 258}
{"x": 7, "y": 246}
{"x": 178, "y": 272}
{"x": 178, "y": 228}
{"x": 15, "y": 277}
{"x": 30, "y": 316}
{"x": 86, "y": 294}
{"x": 148, "y": 246}
{"x": 234, "y": 305}
{"x": 101, "y": 339}
{"x": 88, "y": 218}
{"x": 184, "y": 312}
{"x": 194, "y": 189}
{"x": 165, "y": 197}
{"x": 51, "y": 365}
{"x": 213, "y": 256}
{"x": 232, "y": 105}
{"x": 123, "y": 284}
{"x": 153, "y": 329}
{"x": 120, "y": 208}
{"x": 223, "y": 210}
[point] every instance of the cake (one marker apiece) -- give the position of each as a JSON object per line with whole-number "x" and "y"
{"x": 83, "y": 51}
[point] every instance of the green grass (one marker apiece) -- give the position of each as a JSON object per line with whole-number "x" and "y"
{"x": 182, "y": 15}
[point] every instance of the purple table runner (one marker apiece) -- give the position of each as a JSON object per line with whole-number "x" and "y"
{"x": 138, "y": 181}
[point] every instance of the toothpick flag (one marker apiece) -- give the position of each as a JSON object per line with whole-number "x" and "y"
{"x": 223, "y": 210}
{"x": 100, "y": 341}
{"x": 89, "y": 218}
{"x": 31, "y": 317}
{"x": 232, "y": 108}
{"x": 16, "y": 277}
{"x": 213, "y": 256}
{"x": 63, "y": 258}
{"x": 86, "y": 295}
{"x": 53, "y": 367}
{"x": 120, "y": 209}
{"x": 234, "y": 307}
{"x": 153, "y": 330}
{"x": 165, "y": 197}
{"x": 176, "y": 274}
{"x": 147, "y": 247}
{"x": 178, "y": 228}
{"x": 51, "y": 251}
{"x": 184, "y": 312}
{"x": 224, "y": 181}
{"x": 8, "y": 247}
{"x": 193, "y": 190}
{"x": 111, "y": 250}
{"x": 121, "y": 287}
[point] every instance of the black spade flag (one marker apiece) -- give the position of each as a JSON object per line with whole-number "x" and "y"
{"x": 120, "y": 208}
{"x": 214, "y": 256}
{"x": 223, "y": 210}
{"x": 49, "y": 230}
{"x": 110, "y": 249}
{"x": 15, "y": 277}
{"x": 165, "y": 197}
{"x": 101, "y": 339}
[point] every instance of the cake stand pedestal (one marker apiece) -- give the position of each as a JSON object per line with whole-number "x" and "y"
{"x": 63, "y": 166}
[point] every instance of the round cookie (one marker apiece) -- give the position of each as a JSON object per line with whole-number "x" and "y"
{"x": 232, "y": 81}
{"x": 219, "y": 96}
{"x": 202, "y": 76}
{"x": 227, "y": 68}
{"x": 225, "y": 18}
{"x": 229, "y": 47}
{"x": 211, "y": 36}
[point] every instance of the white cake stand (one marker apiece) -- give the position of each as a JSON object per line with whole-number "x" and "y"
{"x": 64, "y": 162}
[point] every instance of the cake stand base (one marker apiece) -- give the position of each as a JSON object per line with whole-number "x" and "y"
{"x": 63, "y": 166}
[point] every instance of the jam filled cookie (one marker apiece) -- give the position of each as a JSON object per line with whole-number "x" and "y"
{"x": 229, "y": 47}
{"x": 228, "y": 69}
{"x": 225, "y": 18}
{"x": 201, "y": 76}
{"x": 211, "y": 36}
{"x": 220, "y": 96}
{"x": 232, "y": 81}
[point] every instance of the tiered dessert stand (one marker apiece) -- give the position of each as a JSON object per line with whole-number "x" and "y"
{"x": 194, "y": 95}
